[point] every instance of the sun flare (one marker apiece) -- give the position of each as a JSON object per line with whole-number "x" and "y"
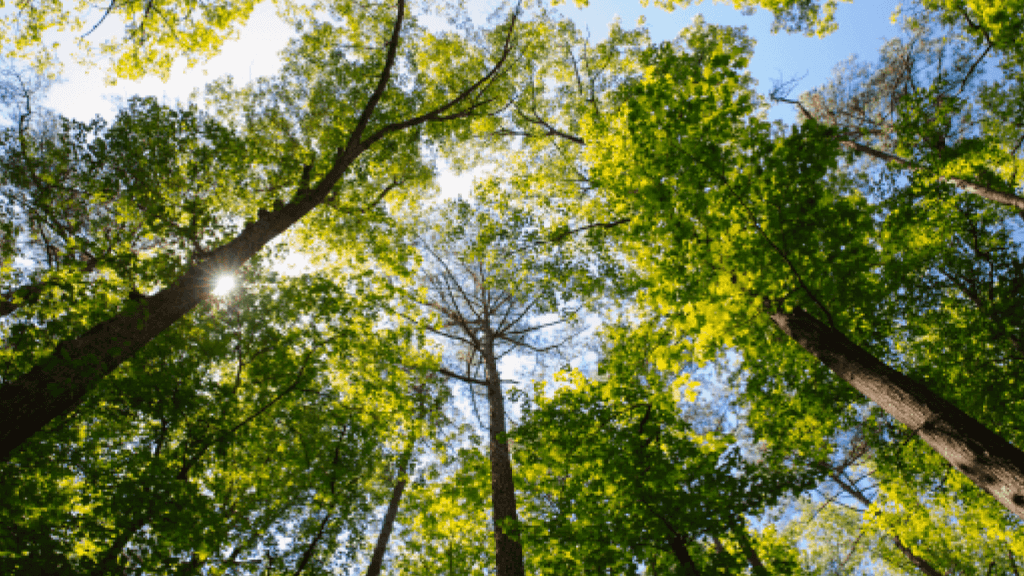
{"x": 224, "y": 285}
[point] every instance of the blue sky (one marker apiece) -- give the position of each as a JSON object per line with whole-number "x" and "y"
{"x": 863, "y": 28}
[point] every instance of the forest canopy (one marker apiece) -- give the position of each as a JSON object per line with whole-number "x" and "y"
{"x": 663, "y": 334}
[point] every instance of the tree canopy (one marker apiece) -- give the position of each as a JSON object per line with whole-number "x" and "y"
{"x": 706, "y": 342}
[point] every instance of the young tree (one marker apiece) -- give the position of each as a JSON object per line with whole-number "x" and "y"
{"x": 444, "y": 525}
{"x": 428, "y": 401}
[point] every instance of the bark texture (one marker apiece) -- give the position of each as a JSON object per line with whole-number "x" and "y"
{"x": 508, "y": 552}
{"x": 991, "y": 462}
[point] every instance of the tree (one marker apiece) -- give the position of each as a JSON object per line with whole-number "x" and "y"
{"x": 933, "y": 108}
{"x": 618, "y": 478}
{"x": 275, "y": 429}
{"x": 237, "y": 427}
{"x": 341, "y": 146}
{"x": 405, "y": 466}
{"x": 730, "y": 208}
{"x": 480, "y": 282}
{"x": 444, "y": 526}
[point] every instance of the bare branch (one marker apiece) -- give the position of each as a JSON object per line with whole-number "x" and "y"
{"x": 450, "y": 374}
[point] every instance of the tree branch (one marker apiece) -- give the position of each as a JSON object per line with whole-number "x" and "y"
{"x": 382, "y": 84}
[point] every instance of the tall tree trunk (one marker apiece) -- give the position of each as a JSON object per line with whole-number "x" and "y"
{"x": 991, "y": 462}
{"x": 377, "y": 560}
{"x": 509, "y": 552}
{"x": 58, "y": 384}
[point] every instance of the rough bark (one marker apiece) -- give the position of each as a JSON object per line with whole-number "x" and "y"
{"x": 377, "y": 560}
{"x": 508, "y": 552}
{"x": 677, "y": 543}
{"x": 991, "y": 462}
{"x": 59, "y": 383}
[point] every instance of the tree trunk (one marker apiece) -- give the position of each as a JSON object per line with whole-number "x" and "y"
{"x": 965, "y": 185}
{"x": 58, "y": 383}
{"x": 677, "y": 543}
{"x": 307, "y": 554}
{"x": 508, "y": 552}
{"x": 991, "y": 462}
{"x": 756, "y": 566}
{"x": 108, "y": 561}
{"x": 377, "y": 560}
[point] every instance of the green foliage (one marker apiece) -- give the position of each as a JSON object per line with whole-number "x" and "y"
{"x": 635, "y": 181}
{"x": 239, "y": 427}
{"x": 155, "y": 34}
{"x": 613, "y": 472}
{"x": 808, "y": 16}
{"x": 105, "y": 210}
{"x": 445, "y": 524}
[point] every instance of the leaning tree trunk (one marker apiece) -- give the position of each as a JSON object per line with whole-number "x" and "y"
{"x": 377, "y": 560}
{"x": 508, "y": 552}
{"x": 992, "y": 463}
{"x": 57, "y": 384}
